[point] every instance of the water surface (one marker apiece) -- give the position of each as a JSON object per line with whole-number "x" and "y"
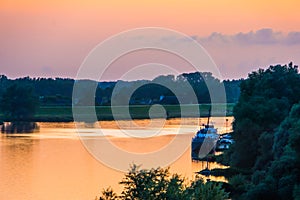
{"x": 53, "y": 164}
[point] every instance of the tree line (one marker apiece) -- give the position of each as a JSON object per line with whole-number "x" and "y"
{"x": 58, "y": 91}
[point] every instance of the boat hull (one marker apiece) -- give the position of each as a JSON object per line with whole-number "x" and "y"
{"x": 202, "y": 147}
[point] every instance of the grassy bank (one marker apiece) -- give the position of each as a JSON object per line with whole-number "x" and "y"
{"x": 64, "y": 113}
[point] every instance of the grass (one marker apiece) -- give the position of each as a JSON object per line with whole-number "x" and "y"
{"x": 64, "y": 113}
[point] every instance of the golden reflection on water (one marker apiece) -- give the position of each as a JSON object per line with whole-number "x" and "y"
{"x": 53, "y": 164}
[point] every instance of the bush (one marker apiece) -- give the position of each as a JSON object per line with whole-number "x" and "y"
{"x": 159, "y": 184}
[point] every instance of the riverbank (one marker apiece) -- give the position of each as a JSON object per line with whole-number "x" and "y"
{"x": 104, "y": 113}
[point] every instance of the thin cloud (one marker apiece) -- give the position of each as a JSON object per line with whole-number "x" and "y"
{"x": 265, "y": 36}
{"x": 238, "y": 54}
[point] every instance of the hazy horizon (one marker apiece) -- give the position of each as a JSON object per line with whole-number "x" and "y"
{"x": 52, "y": 38}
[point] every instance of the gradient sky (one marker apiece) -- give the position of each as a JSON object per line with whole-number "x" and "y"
{"x": 51, "y": 38}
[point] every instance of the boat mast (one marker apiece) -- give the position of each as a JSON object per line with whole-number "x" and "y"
{"x": 209, "y": 113}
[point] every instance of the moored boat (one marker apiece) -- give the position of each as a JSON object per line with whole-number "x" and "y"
{"x": 204, "y": 141}
{"x": 224, "y": 142}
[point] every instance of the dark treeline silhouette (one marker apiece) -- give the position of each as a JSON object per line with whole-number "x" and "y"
{"x": 18, "y": 105}
{"x": 50, "y": 91}
{"x": 266, "y": 153}
{"x": 58, "y": 91}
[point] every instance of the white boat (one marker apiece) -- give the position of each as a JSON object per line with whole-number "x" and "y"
{"x": 224, "y": 142}
{"x": 207, "y": 136}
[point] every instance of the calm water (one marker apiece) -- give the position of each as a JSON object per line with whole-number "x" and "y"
{"x": 53, "y": 164}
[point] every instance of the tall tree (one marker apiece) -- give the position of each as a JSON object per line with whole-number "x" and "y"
{"x": 18, "y": 103}
{"x": 266, "y": 99}
{"x": 266, "y": 133}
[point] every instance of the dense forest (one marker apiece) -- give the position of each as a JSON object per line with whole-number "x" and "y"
{"x": 58, "y": 91}
{"x": 266, "y": 152}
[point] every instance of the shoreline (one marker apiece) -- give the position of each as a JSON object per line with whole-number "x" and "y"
{"x": 104, "y": 113}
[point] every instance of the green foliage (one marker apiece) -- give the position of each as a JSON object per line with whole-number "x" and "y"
{"x": 208, "y": 191}
{"x": 281, "y": 137}
{"x": 239, "y": 183}
{"x": 296, "y": 192}
{"x": 58, "y": 91}
{"x": 64, "y": 113}
{"x": 18, "y": 103}
{"x": 158, "y": 184}
{"x": 176, "y": 188}
{"x": 294, "y": 136}
{"x": 108, "y": 194}
{"x": 145, "y": 184}
{"x": 55, "y": 95}
{"x": 265, "y": 101}
{"x": 267, "y": 135}
{"x": 286, "y": 185}
{"x": 261, "y": 191}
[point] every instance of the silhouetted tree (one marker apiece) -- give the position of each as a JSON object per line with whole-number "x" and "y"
{"x": 267, "y": 134}
{"x": 18, "y": 103}
{"x": 266, "y": 99}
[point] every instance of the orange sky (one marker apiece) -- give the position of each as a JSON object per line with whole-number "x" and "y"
{"x": 196, "y": 17}
{"x": 33, "y": 30}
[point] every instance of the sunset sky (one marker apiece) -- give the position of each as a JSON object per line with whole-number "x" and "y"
{"x": 51, "y": 38}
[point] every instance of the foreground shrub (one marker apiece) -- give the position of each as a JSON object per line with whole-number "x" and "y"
{"x": 160, "y": 184}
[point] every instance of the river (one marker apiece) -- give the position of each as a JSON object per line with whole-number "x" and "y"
{"x": 53, "y": 164}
